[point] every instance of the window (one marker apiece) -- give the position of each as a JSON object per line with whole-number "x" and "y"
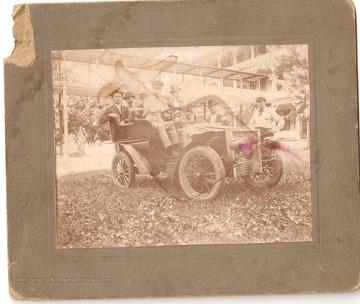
{"x": 259, "y": 50}
{"x": 228, "y": 83}
{"x": 263, "y": 84}
{"x": 249, "y": 85}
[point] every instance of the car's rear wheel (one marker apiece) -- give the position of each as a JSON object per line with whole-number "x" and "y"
{"x": 201, "y": 172}
{"x": 123, "y": 172}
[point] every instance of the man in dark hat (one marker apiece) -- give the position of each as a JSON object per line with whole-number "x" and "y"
{"x": 116, "y": 114}
{"x": 214, "y": 117}
{"x": 265, "y": 118}
{"x": 154, "y": 105}
{"x": 134, "y": 104}
{"x": 175, "y": 96}
{"x": 129, "y": 97}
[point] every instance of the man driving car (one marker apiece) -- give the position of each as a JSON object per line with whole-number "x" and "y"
{"x": 154, "y": 105}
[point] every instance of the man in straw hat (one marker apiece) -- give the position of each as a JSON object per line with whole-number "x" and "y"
{"x": 116, "y": 114}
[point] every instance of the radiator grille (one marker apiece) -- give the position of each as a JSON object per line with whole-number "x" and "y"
{"x": 248, "y": 163}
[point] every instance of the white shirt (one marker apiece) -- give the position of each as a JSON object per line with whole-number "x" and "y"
{"x": 153, "y": 106}
{"x": 118, "y": 107}
{"x": 266, "y": 119}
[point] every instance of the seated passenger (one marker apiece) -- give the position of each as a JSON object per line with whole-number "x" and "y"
{"x": 214, "y": 117}
{"x": 175, "y": 96}
{"x": 227, "y": 119}
{"x": 190, "y": 114}
{"x": 134, "y": 104}
{"x": 154, "y": 105}
{"x": 187, "y": 114}
{"x": 117, "y": 114}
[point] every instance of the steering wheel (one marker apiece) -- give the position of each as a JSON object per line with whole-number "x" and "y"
{"x": 190, "y": 116}
{"x": 169, "y": 114}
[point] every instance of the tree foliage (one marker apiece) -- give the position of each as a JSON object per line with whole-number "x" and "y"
{"x": 82, "y": 111}
{"x": 291, "y": 69}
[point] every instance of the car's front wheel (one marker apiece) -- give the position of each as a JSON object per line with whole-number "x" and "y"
{"x": 201, "y": 172}
{"x": 123, "y": 172}
{"x": 270, "y": 176}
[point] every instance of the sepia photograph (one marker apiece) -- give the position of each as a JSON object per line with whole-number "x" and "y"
{"x": 176, "y": 149}
{"x": 182, "y": 146}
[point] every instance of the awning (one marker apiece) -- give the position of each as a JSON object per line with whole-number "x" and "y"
{"x": 286, "y": 106}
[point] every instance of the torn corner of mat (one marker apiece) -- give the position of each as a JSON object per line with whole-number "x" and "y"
{"x": 15, "y": 295}
{"x": 24, "y": 51}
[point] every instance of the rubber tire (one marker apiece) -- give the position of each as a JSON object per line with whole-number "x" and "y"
{"x": 272, "y": 181}
{"x": 219, "y": 171}
{"x": 129, "y": 163}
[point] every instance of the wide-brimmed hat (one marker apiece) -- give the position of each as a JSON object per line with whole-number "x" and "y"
{"x": 174, "y": 88}
{"x": 129, "y": 94}
{"x": 157, "y": 84}
{"x": 108, "y": 89}
{"x": 118, "y": 90}
{"x": 260, "y": 99}
{"x": 212, "y": 103}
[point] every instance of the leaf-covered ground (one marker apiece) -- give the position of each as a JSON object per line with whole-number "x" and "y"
{"x": 93, "y": 213}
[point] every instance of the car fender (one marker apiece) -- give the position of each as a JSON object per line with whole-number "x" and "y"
{"x": 175, "y": 180}
{"x": 140, "y": 161}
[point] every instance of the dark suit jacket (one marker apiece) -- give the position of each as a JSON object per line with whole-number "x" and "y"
{"x": 113, "y": 126}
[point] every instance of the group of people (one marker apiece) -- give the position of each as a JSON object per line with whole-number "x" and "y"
{"x": 263, "y": 117}
{"x": 127, "y": 106}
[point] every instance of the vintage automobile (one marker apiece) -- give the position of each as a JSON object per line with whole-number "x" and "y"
{"x": 209, "y": 154}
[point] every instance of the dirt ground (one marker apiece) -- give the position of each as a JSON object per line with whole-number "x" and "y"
{"x": 93, "y": 213}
